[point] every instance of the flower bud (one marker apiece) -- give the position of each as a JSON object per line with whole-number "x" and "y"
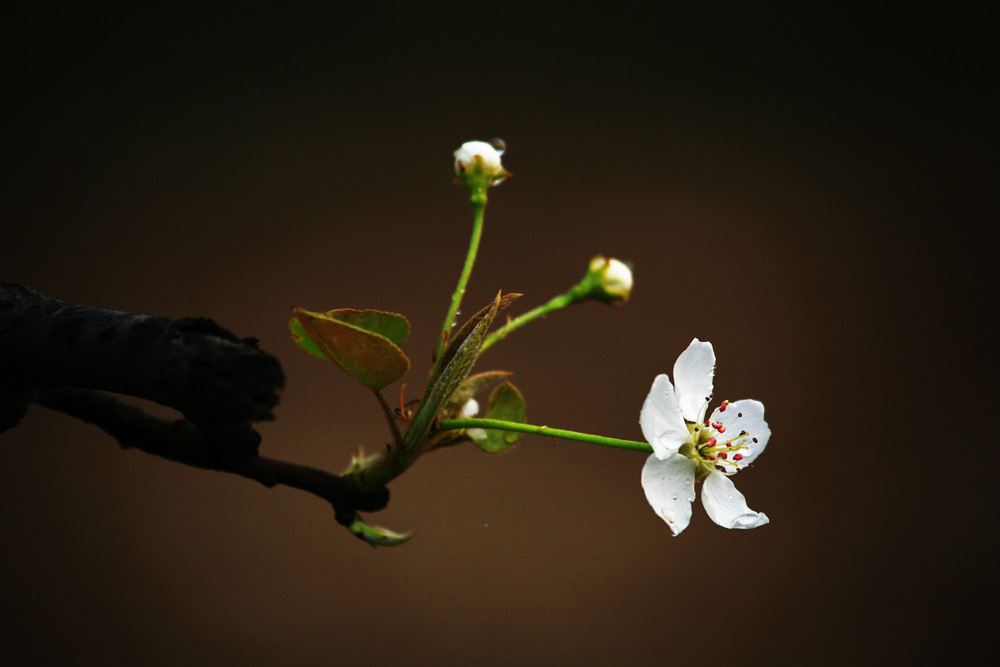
{"x": 609, "y": 280}
{"x": 477, "y": 164}
{"x": 471, "y": 409}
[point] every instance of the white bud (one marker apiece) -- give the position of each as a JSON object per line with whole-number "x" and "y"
{"x": 618, "y": 278}
{"x": 465, "y": 158}
{"x": 471, "y": 409}
{"x": 614, "y": 279}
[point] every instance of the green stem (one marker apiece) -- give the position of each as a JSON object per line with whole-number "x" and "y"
{"x": 478, "y": 199}
{"x": 575, "y": 295}
{"x": 499, "y": 425}
{"x": 394, "y": 462}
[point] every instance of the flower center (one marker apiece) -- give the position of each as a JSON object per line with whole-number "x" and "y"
{"x": 715, "y": 448}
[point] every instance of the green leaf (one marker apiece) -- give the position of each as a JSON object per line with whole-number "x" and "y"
{"x": 460, "y": 337}
{"x": 303, "y": 340}
{"x": 393, "y": 326}
{"x": 474, "y": 384}
{"x": 452, "y": 368}
{"x": 507, "y": 404}
{"x": 378, "y": 536}
{"x": 371, "y": 357}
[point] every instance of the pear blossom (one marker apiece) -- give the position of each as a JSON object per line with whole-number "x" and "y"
{"x": 687, "y": 446}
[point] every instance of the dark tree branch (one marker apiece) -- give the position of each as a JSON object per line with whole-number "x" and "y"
{"x": 182, "y": 442}
{"x": 193, "y": 365}
{"x": 64, "y": 356}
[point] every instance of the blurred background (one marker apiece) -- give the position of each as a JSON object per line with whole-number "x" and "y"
{"x": 806, "y": 187}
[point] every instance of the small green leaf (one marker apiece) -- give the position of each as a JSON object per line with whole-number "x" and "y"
{"x": 452, "y": 368}
{"x": 507, "y": 404}
{"x": 488, "y": 313}
{"x": 369, "y": 356}
{"x": 474, "y": 384}
{"x": 377, "y": 536}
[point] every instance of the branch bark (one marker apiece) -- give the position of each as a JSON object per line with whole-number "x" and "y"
{"x": 65, "y": 356}
{"x": 193, "y": 365}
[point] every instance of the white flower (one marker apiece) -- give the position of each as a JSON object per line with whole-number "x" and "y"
{"x": 474, "y": 156}
{"x": 688, "y": 447}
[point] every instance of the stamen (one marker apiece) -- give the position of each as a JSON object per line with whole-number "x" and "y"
{"x": 722, "y": 408}
{"x": 737, "y": 457}
{"x": 719, "y": 427}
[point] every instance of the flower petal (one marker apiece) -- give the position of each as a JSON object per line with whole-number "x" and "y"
{"x": 669, "y": 487}
{"x": 693, "y": 372}
{"x": 661, "y": 420}
{"x": 745, "y": 427}
{"x": 726, "y": 506}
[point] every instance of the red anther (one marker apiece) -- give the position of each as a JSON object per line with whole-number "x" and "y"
{"x": 719, "y": 427}
{"x": 710, "y": 442}
{"x": 722, "y": 408}
{"x": 723, "y": 455}
{"x": 711, "y": 458}
{"x": 737, "y": 457}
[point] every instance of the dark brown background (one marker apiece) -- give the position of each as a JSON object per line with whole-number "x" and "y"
{"x": 805, "y": 189}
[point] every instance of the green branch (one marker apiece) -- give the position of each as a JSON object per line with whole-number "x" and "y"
{"x": 496, "y": 424}
{"x": 478, "y": 199}
{"x": 575, "y": 295}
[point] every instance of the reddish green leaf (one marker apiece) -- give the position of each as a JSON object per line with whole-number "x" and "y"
{"x": 303, "y": 340}
{"x": 371, "y": 357}
{"x": 452, "y": 368}
{"x": 473, "y": 325}
{"x": 393, "y": 326}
